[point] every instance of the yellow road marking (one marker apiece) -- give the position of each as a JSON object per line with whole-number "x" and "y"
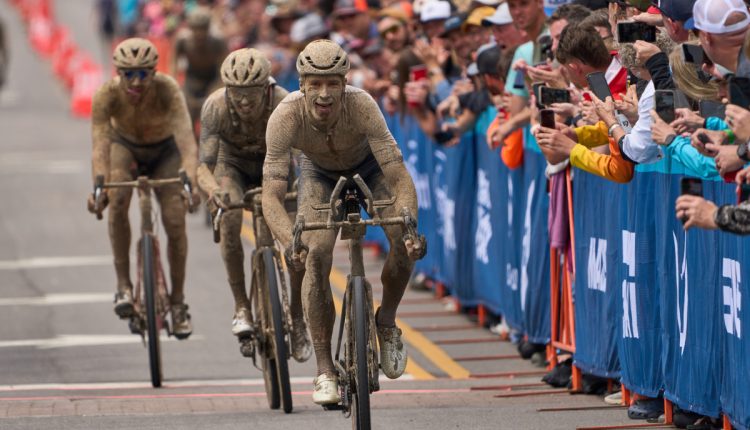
{"x": 413, "y": 337}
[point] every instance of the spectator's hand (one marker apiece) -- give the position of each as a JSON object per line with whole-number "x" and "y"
{"x": 654, "y": 19}
{"x": 660, "y": 130}
{"x": 708, "y": 149}
{"x": 500, "y": 134}
{"x": 628, "y": 105}
{"x": 520, "y": 65}
{"x": 427, "y": 53}
{"x": 565, "y": 110}
{"x": 416, "y": 93}
{"x": 743, "y": 176}
{"x": 739, "y": 120}
{"x": 644, "y": 51}
{"x": 462, "y": 87}
{"x": 687, "y": 121}
{"x": 552, "y": 77}
{"x": 448, "y": 108}
{"x": 390, "y": 100}
{"x": 605, "y": 110}
{"x": 726, "y": 158}
{"x": 555, "y": 145}
{"x": 696, "y": 211}
{"x": 588, "y": 113}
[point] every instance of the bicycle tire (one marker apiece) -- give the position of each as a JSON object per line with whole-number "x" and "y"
{"x": 281, "y": 354}
{"x": 268, "y": 364}
{"x": 360, "y": 324}
{"x": 152, "y": 326}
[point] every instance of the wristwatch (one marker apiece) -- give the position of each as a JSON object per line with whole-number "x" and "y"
{"x": 669, "y": 139}
{"x": 742, "y": 152}
{"x": 612, "y": 129}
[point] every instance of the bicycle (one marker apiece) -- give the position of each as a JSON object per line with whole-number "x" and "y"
{"x": 358, "y": 370}
{"x": 270, "y": 313}
{"x": 151, "y": 302}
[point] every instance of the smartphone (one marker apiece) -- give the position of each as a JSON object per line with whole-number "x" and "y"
{"x": 708, "y": 109}
{"x": 739, "y": 91}
{"x": 743, "y": 193}
{"x": 630, "y": 32}
{"x": 664, "y": 105}
{"x": 547, "y": 118}
{"x": 417, "y": 73}
{"x": 535, "y": 90}
{"x": 519, "y": 82}
{"x": 442, "y": 137}
{"x": 694, "y": 54}
{"x": 691, "y": 186}
{"x": 549, "y": 95}
{"x": 598, "y": 85}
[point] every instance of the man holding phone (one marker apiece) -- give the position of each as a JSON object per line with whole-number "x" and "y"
{"x": 722, "y": 38}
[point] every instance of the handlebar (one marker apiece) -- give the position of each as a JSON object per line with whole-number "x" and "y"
{"x": 247, "y": 202}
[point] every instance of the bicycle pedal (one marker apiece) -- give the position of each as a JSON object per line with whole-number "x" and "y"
{"x": 247, "y": 348}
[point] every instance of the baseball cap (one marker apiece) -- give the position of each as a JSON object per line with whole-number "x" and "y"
{"x": 453, "y": 23}
{"x": 710, "y": 15}
{"x": 401, "y": 11}
{"x": 678, "y": 10}
{"x": 500, "y": 17}
{"x": 472, "y": 70}
{"x": 488, "y": 56}
{"x": 349, "y": 7}
{"x": 492, "y": 3}
{"x": 310, "y": 26}
{"x": 477, "y": 15}
{"x": 435, "y": 10}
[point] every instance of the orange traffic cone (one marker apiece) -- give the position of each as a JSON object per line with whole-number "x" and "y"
{"x": 88, "y": 78}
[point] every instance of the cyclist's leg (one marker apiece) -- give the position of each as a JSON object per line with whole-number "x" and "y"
{"x": 231, "y": 248}
{"x": 394, "y": 277}
{"x": 121, "y": 162}
{"x": 173, "y": 210}
{"x": 301, "y": 341}
{"x": 317, "y": 299}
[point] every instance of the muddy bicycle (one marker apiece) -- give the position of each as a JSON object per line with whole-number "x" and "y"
{"x": 151, "y": 303}
{"x": 358, "y": 368}
{"x": 270, "y": 341}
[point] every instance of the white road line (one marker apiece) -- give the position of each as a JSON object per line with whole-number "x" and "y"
{"x": 58, "y": 299}
{"x": 52, "y": 262}
{"x": 175, "y": 384}
{"x": 74, "y": 340}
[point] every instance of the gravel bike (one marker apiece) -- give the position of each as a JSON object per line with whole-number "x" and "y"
{"x": 151, "y": 302}
{"x": 271, "y": 319}
{"x": 358, "y": 368}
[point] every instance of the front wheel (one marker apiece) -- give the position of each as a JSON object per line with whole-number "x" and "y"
{"x": 281, "y": 355}
{"x": 152, "y": 324}
{"x": 361, "y": 327}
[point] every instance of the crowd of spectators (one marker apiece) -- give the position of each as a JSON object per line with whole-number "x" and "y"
{"x": 673, "y": 85}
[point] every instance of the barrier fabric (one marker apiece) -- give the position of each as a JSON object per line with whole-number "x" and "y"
{"x": 535, "y": 276}
{"x": 597, "y": 285}
{"x": 639, "y": 315}
{"x": 454, "y": 180}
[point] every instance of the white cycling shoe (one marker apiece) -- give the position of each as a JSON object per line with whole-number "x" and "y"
{"x": 241, "y": 323}
{"x": 326, "y": 390}
{"x": 393, "y": 356}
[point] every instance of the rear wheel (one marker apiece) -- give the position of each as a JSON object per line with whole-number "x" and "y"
{"x": 281, "y": 354}
{"x": 360, "y": 326}
{"x": 152, "y": 323}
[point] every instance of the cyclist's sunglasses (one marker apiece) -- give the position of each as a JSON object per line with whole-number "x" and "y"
{"x": 131, "y": 74}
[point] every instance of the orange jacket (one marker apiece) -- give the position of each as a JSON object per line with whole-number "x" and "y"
{"x": 612, "y": 167}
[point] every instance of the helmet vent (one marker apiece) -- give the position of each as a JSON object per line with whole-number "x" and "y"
{"x": 134, "y": 51}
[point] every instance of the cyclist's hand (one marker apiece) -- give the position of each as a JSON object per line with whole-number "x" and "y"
{"x": 219, "y": 198}
{"x": 103, "y": 202}
{"x": 416, "y": 247}
{"x": 296, "y": 259}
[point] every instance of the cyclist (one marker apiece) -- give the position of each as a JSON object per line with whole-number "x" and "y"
{"x": 140, "y": 126}
{"x": 202, "y": 55}
{"x": 340, "y": 131}
{"x": 232, "y": 149}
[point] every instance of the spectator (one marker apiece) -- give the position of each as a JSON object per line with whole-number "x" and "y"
{"x": 677, "y": 16}
{"x": 433, "y": 16}
{"x": 722, "y": 25}
{"x": 506, "y": 34}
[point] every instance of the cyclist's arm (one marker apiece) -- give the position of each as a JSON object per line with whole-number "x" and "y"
{"x": 209, "y": 147}
{"x": 100, "y": 131}
{"x": 279, "y": 137}
{"x": 176, "y": 55}
{"x": 183, "y": 129}
{"x": 386, "y": 152}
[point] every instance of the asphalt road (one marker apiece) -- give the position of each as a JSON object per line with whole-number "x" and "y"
{"x": 68, "y": 363}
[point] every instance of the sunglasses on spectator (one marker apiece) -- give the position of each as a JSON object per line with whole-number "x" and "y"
{"x": 131, "y": 74}
{"x": 392, "y": 29}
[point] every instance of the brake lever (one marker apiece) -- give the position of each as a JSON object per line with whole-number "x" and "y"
{"x": 98, "y": 187}
{"x": 188, "y": 188}
{"x": 217, "y": 225}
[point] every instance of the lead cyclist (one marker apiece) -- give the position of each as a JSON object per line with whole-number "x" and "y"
{"x": 339, "y": 130}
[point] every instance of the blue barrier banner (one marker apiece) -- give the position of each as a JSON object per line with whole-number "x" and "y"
{"x": 639, "y": 315}
{"x": 535, "y": 276}
{"x": 453, "y": 183}
{"x": 687, "y": 270}
{"x": 597, "y": 287}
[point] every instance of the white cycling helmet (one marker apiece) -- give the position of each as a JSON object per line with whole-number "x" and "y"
{"x": 245, "y": 67}
{"x": 322, "y": 57}
{"x": 135, "y": 53}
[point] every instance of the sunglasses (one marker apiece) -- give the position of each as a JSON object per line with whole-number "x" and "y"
{"x": 392, "y": 29}
{"x": 251, "y": 93}
{"x": 136, "y": 73}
